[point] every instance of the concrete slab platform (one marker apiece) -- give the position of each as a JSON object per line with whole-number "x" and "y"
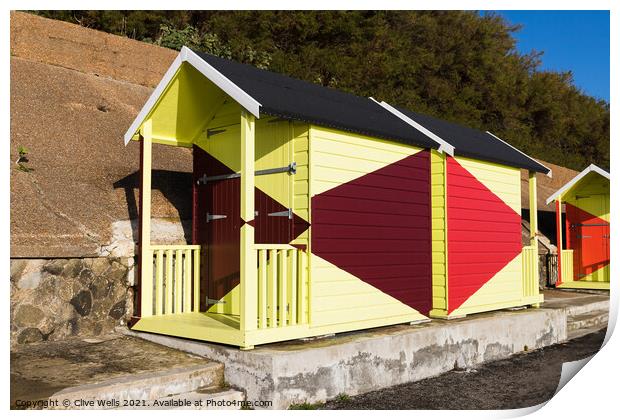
{"x": 111, "y": 367}
{"x": 352, "y": 363}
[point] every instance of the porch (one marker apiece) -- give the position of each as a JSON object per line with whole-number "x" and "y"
{"x": 269, "y": 301}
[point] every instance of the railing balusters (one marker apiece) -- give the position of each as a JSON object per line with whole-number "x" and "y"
{"x": 302, "y": 269}
{"x": 262, "y": 288}
{"x": 176, "y": 278}
{"x": 292, "y": 297}
{"x": 159, "y": 281}
{"x": 187, "y": 281}
{"x": 196, "y": 282}
{"x": 273, "y": 288}
{"x": 178, "y": 282}
{"x": 282, "y": 286}
{"x": 169, "y": 283}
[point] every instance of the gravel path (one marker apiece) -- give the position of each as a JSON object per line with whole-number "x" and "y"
{"x": 521, "y": 381}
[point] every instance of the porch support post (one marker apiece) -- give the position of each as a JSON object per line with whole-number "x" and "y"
{"x": 146, "y": 256}
{"x": 559, "y": 227}
{"x": 248, "y": 261}
{"x": 533, "y": 210}
{"x": 534, "y": 225}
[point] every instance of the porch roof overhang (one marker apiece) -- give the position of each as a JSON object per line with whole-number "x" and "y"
{"x": 581, "y": 177}
{"x": 208, "y": 71}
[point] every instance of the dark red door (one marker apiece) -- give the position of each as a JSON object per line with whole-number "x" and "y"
{"x": 216, "y": 227}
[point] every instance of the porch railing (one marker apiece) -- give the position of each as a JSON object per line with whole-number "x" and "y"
{"x": 176, "y": 279}
{"x": 566, "y": 265}
{"x": 529, "y": 261}
{"x": 282, "y": 286}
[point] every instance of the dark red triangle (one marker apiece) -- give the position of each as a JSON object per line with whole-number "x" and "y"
{"x": 378, "y": 228}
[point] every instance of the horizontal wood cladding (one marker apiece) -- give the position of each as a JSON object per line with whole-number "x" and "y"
{"x": 484, "y": 233}
{"x": 371, "y": 220}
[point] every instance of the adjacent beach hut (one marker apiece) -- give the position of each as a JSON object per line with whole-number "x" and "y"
{"x": 316, "y": 211}
{"x": 584, "y": 262}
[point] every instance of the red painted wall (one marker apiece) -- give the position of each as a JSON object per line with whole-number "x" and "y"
{"x": 378, "y": 228}
{"x": 484, "y": 234}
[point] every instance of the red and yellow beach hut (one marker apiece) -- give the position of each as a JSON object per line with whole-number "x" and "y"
{"x": 316, "y": 211}
{"x": 584, "y": 262}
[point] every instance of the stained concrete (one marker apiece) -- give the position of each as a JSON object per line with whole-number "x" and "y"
{"x": 103, "y": 367}
{"x": 354, "y": 363}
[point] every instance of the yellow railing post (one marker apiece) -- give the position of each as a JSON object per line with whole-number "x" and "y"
{"x": 146, "y": 255}
{"x": 248, "y": 272}
{"x": 534, "y": 227}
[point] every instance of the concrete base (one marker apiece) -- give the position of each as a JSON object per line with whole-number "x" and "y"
{"x": 355, "y": 363}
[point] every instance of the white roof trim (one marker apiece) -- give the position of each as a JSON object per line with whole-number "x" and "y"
{"x": 444, "y": 146}
{"x": 549, "y": 174}
{"x": 576, "y": 179}
{"x": 221, "y": 81}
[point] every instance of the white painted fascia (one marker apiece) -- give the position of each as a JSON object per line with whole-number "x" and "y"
{"x": 549, "y": 174}
{"x": 576, "y": 179}
{"x": 444, "y": 146}
{"x": 243, "y": 98}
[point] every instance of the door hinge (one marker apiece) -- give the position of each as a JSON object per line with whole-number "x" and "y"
{"x": 286, "y": 213}
{"x": 215, "y": 217}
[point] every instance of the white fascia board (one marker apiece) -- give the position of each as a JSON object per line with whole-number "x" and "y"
{"x": 150, "y": 103}
{"x": 576, "y": 179}
{"x": 549, "y": 174}
{"x": 444, "y": 146}
{"x": 221, "y": 81}
{"x": 246, "y": 101}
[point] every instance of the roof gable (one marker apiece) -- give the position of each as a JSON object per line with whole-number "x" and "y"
{"x": 592, "y": 169}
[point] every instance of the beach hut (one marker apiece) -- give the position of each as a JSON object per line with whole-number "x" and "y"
{"x": 316, "y": 211}
{"x": 584, "y": 262}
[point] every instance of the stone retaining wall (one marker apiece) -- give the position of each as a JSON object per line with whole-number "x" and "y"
{"x": 52, "y": 299}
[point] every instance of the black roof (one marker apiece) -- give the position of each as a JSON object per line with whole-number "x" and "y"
{"x": 286, "y": 97}
{"x": 469, "y": 142}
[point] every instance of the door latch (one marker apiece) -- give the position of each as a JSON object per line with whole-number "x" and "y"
{"x": 215, "y": 217}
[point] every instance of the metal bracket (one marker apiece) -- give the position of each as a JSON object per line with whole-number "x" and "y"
{"x": 215, "y": 217}
{"x": 213, "y": 132}
{"x": 286, "y": 213}
{"x": 291, "y": 169}
{"x": 214, "y": 301}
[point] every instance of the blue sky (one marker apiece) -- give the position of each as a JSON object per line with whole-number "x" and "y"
{"x": 571, "y": 40}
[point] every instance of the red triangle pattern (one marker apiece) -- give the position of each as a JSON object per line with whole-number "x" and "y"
{"x": 484, "y": 234}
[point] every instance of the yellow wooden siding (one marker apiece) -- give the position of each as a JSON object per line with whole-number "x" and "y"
{"x": 340, "y": 157}
{"x": 591, "y": 194}
{"x": 337, "y": 297}
{"x": 179, "y": 114}
{"x": 225, "y": 145}
{"x": 503, "y": 181}
{"x": 438, "y": 224}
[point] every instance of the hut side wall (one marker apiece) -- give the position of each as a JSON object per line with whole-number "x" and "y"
{"x": 484, "y": 236}
{"x": 370, "y": 234}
